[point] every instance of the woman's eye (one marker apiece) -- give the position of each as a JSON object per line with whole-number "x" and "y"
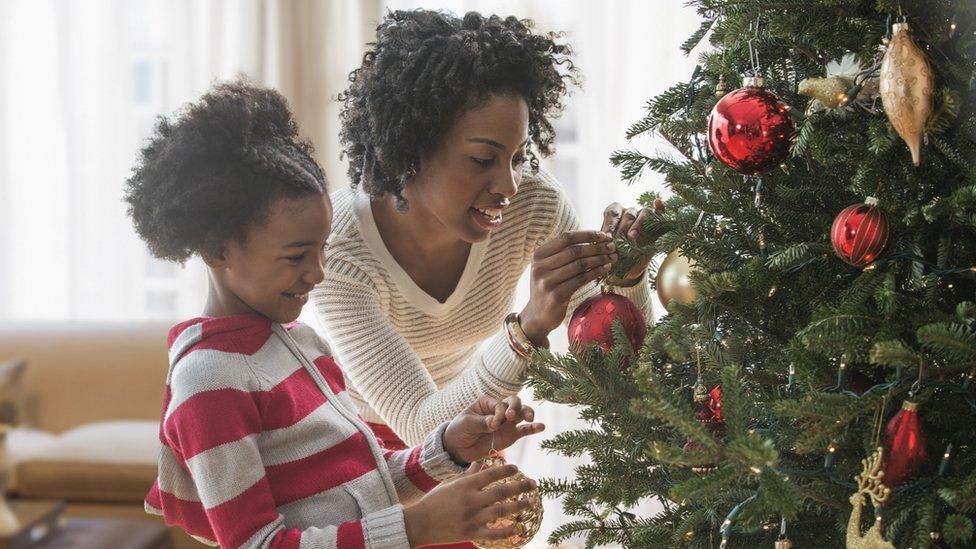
{"x": 295, "y": 258}
{"x": 483, "y": 162}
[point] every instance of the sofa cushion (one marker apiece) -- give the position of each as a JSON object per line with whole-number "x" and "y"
{"x": 108, "y": 461}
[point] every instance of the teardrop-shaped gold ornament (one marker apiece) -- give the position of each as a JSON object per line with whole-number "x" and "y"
{"x": 907, "y": 87}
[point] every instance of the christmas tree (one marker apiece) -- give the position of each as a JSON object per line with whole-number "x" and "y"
{"x": 820, "y": 288}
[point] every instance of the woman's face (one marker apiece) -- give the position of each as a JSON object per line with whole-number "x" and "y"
{"x": 465, "y": 182}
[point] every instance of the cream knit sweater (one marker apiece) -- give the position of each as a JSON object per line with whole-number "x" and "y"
{"x": 413, "y": 362}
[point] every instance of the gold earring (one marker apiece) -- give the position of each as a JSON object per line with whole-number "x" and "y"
{"x": 412, "y": 170}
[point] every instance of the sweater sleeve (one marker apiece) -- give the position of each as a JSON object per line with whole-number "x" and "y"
{"x": 566, "y": 220}
{"x": 388, "y": 373}
{"x": 213, "y": 434}
{"x": 418, "y": 470}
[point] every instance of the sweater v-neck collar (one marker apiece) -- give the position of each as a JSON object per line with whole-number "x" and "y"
{"x": 414, "y": 293}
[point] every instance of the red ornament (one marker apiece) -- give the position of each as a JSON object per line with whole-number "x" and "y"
{"x": 709, "y": 412}
{"x": 592, "y": 322}
{"x": 750, "y": 129}
{"x": 860, "y": 233}
{"x": 905, "y": 451}
{"x": 715, "y": 403}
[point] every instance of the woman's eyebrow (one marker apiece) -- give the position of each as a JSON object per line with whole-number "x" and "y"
{"x": 494, "y": 143}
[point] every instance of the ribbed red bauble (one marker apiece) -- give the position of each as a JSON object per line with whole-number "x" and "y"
{"x": 905, "y": 451}
{"x": 749, "y": 130}
{"x": 592, "y": 322}
{"x": 860, "y": 233}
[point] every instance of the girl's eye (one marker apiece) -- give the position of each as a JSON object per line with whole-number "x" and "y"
{"x": 295, "y": 258}
{"x": 483, "y": 162}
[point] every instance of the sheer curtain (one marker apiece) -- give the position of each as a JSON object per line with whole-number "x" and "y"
{"x": 82, "y": 83}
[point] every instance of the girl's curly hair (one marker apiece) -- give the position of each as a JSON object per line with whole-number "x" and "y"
{"x": 426, "y": 69}
{"x": 214, "y": 170}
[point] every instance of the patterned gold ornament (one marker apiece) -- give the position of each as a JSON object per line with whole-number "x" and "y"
{"x": 869, "y": 484}
{"x": 527, "y": 521}
{"x": 907, "y": 88}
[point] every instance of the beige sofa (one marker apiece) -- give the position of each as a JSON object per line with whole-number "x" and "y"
{"x": 90, "y": 398}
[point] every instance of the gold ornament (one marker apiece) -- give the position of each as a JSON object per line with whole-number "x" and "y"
{"x": 831, "y": 91}
{"x": 720, "y": 88}
{"x": 527, "y": 521}
{"x": 783, "y": 543}
{"x": 868, "y": 484}
{"x": 700, "y": 392}
{"x": 673, "y": 281}
{"x": 907, "y": 88}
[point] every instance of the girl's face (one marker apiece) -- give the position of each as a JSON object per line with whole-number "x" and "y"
{"x": 279, "y": 263}
{"x": 465, "y": 182}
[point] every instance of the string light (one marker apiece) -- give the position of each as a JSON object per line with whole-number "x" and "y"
{"x": 755, "y": 470}
{"x": 772, "y": 291}
{"x": 870, "y": 267}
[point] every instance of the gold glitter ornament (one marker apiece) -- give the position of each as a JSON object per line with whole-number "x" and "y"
{"x": 526, "y": 521}
{"x": 830, "y": 91}
{"x": 907, "y": 87}
{"x": 869, "y": 484}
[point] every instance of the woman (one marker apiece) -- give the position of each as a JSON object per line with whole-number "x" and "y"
{"x": 447, "y": 208}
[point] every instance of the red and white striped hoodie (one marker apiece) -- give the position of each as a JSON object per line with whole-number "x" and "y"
{"x": 262, "y": 447}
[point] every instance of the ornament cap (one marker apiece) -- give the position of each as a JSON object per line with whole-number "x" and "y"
{"x": 754, "y": 81}
{"x": 898, "y": 27}
{"x": 909, "y": 406}
{"x": 871, "y": 201}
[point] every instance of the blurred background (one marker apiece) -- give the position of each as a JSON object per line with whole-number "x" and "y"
{"x": 81, "y": 83}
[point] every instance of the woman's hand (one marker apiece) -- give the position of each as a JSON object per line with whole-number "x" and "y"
{"x": 560, "y": 267}
{"x": 470, "y": 434}
{"x": 627, "y": 223}
{"x": 460, "y": 510}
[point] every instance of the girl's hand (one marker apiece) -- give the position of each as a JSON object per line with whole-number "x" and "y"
{"x": 627, "y": 223}
{"x": 469, "y": 436}
{"x": 560, "y": 267}
{"x": 460, "y": 510}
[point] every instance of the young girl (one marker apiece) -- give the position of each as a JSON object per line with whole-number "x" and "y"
{"x": 261, "y": 444}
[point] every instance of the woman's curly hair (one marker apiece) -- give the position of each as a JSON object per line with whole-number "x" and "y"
{"x": 426, "y": 69}
{"x": 213, "y": 171}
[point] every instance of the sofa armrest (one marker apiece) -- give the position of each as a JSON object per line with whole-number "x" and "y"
{"x": 83, "y": 372}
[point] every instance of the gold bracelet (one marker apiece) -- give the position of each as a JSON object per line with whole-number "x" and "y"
{"x": 517, "y": 340}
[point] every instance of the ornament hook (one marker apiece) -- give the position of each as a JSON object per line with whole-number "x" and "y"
{"x": 753, "y": 52}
